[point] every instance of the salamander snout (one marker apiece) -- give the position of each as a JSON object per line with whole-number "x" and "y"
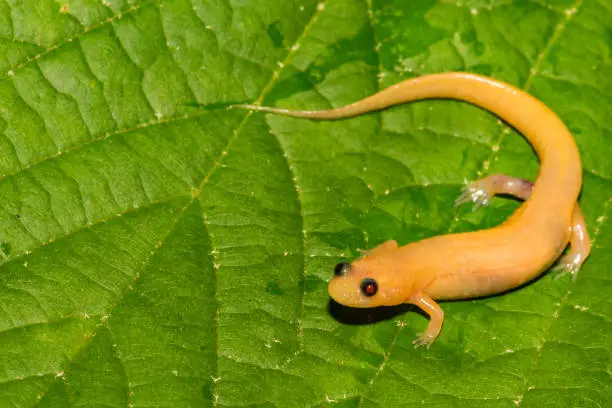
{"x": 342, "y": 269}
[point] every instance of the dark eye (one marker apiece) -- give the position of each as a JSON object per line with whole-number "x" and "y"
{"x": 369, "y": 287}
{"x": 342, "y": 268}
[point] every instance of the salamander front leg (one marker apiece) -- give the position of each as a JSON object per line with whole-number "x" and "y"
{"x": 481, "y": 191}
{"x": 384, "y": 247}
{"x": 436, "y": 318}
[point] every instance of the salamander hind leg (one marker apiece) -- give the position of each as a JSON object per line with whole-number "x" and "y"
{"x": 481, "y": 191}
{"x": 580, "y": 247}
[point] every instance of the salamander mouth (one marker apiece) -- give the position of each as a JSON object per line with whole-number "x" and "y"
{"x": 347, "y": 292}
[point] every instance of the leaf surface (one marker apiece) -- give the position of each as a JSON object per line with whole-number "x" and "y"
{"x": 156, "y": 254}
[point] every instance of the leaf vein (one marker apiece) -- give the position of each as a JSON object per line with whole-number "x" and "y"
{"x": 381, "y": 367}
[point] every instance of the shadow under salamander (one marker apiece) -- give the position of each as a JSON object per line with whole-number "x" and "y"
{"x": 358, "y": 316}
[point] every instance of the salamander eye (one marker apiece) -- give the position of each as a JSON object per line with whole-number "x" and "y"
{"x": 342, "y": 268}
{"x": 369, "y": 287}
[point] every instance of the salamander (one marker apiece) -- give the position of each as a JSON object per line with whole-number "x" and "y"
{"x": 479, "y": 263}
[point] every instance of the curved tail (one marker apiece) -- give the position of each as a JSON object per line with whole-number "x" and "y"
{"x": 560, "y": 175}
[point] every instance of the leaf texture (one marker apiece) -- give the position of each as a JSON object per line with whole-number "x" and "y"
{"x": 155, "y": 254}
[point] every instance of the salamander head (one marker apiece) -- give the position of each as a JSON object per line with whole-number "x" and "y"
{"x": 367, "y": 282}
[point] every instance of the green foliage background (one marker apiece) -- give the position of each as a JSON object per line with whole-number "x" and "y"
{"x": 159, "y": 255}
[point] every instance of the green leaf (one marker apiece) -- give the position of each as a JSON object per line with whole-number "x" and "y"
{"x": 157, "y": 254}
